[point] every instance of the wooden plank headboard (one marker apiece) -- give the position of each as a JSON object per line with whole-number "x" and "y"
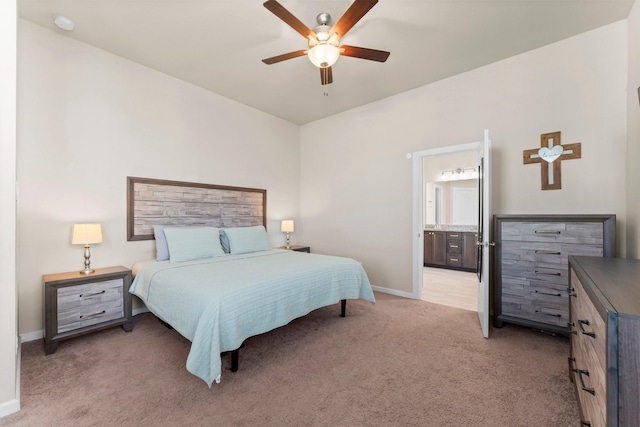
{"x": 160, "y": 202}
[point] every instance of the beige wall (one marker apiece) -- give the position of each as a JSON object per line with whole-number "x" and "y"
{"x": 633, "y": 137}
{"x": 9, "y": 400}
{"x": 88, "y": 119}
{"x": 356, "y": 182}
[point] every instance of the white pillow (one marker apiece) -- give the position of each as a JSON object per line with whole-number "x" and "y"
{"x": 190, "y": 243}
{"x": 243, "y": 240}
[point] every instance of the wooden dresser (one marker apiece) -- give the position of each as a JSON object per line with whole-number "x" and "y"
{"x": 530, "y": 275}
{"x": 605, "y": 339}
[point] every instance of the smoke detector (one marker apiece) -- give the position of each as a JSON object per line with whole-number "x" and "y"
{"x": 63, "y": 22}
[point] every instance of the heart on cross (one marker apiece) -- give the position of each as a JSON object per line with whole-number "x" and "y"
{"x": 550, "y": 154}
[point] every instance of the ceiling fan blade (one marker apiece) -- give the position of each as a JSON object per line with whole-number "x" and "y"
{"x": 364, "y": 53}
{"x": 288, "y": 18}
{"x": 326, "y": 76}
{"x": 356, "y": 11}
{"x": 284, "y": 57}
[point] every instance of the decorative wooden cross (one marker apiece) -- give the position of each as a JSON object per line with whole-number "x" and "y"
{"x": 551, "y": 151}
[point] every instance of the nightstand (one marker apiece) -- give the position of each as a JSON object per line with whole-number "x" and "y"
{"x": 297, "y": 248}
{"x": 77, "y": 304}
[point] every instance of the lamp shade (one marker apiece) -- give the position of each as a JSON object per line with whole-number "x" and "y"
{"x": 86, "y": 234}
{"x": 286, "y": 226}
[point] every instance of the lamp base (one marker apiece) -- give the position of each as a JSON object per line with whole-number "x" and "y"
{"x": 288, "y": 245}
{"x": 87, "y": 261}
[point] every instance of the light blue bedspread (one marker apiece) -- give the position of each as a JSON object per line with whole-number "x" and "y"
{"x": 217, "y": 303}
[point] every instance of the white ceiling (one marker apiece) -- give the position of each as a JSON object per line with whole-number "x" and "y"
{"x": 218, "y": 44}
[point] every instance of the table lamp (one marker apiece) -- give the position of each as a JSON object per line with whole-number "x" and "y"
{"x": 287, "y": 227}
{"x": 86, "y": 234}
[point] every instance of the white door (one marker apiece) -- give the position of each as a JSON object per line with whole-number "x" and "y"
{"x": 484, "y": 233}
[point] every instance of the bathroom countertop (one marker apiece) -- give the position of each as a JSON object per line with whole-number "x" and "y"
{"x": 459, "y": 228}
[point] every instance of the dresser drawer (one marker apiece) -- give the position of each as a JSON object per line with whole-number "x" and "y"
{"x": 534, "y": 301}
{"x": 547, "y": 253}
{"x": 589, "y": 233}
{"x": 525, "y": 310}
{"x": 550, "y": 273}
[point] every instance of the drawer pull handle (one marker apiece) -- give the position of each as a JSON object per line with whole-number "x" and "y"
{"x": 93, "y": 294}
{"x": 549, "y": 293}
{"x": 549, "y": 314}
{"x": 585, "y": 322}
{"x": 547, "y": 232}
{"x": 541, "y": 252}
{"x": 582, "y": 372}
{"x": 453, "y": 235}
{"x": 571, "y": 361}
{"x": 453, "y": 246}
{"x": 542, "y": 273}
{"x": 571, "y": 292}
{"x": 88, "y": 316}
{"x": 454, "y": 259}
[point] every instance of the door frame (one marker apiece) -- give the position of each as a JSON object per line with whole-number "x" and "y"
{"x": 418, "y": 206}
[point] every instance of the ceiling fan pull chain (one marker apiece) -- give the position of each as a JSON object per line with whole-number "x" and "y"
{"x": 325, "y": 87}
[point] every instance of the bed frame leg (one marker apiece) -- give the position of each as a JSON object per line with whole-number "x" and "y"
{"x": 234, "y": 360}
{"x": 343, "y": 308}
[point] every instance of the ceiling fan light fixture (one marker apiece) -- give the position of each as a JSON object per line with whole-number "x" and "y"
{"x": 324, "y": 55}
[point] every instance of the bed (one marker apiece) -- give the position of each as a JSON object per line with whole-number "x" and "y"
{"x": 219, "y": 285}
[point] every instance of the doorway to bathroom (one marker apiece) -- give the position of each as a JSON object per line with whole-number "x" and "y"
{"x": 450, "y": 220}
{"x": 437, "y": 244}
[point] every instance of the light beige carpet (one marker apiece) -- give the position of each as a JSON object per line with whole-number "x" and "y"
{"x": 399, "y": 362}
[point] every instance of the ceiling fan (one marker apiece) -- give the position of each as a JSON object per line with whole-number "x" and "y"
{"x": 324, "y": 40}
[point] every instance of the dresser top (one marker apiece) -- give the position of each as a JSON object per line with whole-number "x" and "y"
{"x": 555, "y": 217}
{"x": 617, "y": 279}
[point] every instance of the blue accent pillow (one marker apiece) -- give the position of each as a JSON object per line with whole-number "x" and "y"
{"x": 243, "y": 240}
{"x": 191, "y": 243}
{"x": 162, "y": 250}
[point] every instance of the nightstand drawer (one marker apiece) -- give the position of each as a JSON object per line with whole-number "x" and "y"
{"x": 89, "y": 304}
{"x": 72, "y": 297}
{"x": 88, "y": 316}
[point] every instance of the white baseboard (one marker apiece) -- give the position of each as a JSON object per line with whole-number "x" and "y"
{"x": 38, "y": 335}
{"x": 32, "y": 336}
{"x": 12, "y": 406}
{"x": 393, "y": 292}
